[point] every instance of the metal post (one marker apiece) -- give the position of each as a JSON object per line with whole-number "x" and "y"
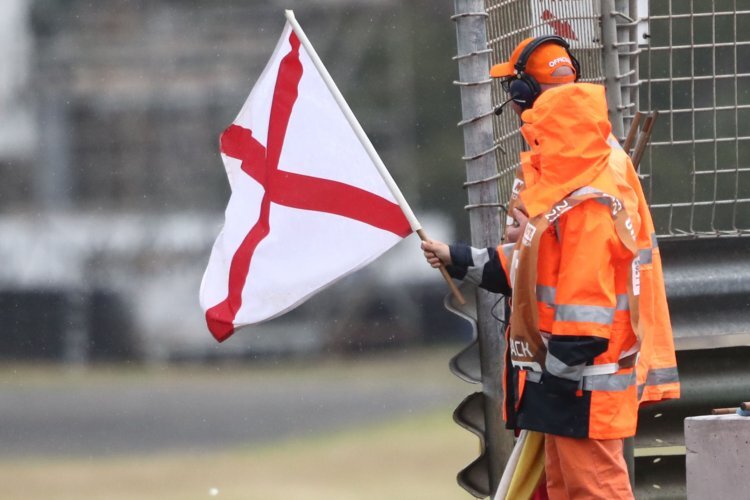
{"x": 611, "y": 65}
{"x": 476, "y": 104}
{"x": 626, "y": 50}
{"x": 620, "y": 54}
{"x": 631, "y": 56}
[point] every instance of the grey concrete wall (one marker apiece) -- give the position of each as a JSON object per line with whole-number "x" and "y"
{"x": 717, "y": 457}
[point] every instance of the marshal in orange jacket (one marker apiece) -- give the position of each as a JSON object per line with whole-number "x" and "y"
{"x": 590, "y": 335}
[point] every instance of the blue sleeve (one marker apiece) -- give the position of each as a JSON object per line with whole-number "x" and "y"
{"x": 479, "y": 266}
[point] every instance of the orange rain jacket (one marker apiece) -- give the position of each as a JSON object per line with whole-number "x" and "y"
{"x": 590, "y": 275}
{"x": 587, "y": 259}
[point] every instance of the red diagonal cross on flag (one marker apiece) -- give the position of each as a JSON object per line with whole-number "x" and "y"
{"x": 233, "y": 268}
{"x": 311, "y": 193}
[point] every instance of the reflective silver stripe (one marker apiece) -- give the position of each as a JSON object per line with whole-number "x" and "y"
{"x": 654, "y": 242}
{"x": 659, "y": 376}
{"x": 546, "y": 294}
{"x": 533, "y": 376}
{"x": 605, "y": 369}
{"x": 545, "y": 338}
{"x": 480, "y": 257}
{"x": 608, "y": 382}
{"x": 626, "y": 361}
{"x": 585, "y": 314}
{"x": 613, "y": 142}
{"x": 560, "y": 369}
{"x": 622, "y": 302}
{"x": 662, "y": 376}
{"x": 474, "y": 275}
{"x": 508, "y": 251}
{"x": 584, "y": 191}
{"x": 646, "y": 256}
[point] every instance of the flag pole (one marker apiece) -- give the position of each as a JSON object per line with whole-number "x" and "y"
{"x": 371, "y": 152}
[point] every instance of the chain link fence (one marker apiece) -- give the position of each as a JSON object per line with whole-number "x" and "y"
{"x": 696, "y": 72}
{"x": 690, "y": 60}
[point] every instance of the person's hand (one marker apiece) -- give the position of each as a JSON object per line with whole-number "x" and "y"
{"x": 512, "y": 233}
{"x": 436, "y": 253}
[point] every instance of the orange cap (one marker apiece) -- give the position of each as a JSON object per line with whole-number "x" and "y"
{"x": 545, "y": 59}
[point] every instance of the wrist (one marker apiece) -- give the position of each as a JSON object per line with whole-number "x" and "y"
{"x": 460, "y": 255}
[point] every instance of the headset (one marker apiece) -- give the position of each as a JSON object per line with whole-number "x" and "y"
{"x": 523, "y": 88}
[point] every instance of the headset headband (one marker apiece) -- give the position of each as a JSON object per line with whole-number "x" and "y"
{"x": 520, "y": 65}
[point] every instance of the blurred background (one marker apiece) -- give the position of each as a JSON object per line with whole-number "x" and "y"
{"x": 113, "y": 192}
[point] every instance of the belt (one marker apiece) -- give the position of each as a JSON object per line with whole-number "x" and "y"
{"x": 627, "y": 361}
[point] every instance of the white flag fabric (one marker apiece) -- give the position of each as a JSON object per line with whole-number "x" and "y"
{"x": 308, "y": 204}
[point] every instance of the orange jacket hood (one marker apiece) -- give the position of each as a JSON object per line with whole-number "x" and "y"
{"x": 567, "y": 130}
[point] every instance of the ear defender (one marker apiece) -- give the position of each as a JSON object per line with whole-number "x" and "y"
{"x": 524, "y": 89}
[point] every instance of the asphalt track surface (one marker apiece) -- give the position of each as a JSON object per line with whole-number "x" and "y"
{"x": 93, "y": 414}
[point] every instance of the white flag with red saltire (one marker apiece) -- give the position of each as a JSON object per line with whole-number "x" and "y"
{"x": 308, "y": 205}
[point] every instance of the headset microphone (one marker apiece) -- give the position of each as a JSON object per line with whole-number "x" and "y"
{"x": 499, "y": 109}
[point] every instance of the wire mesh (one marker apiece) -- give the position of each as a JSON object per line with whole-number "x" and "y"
{"x": 697, "y": 74}
{"x": 695, "y": 71}
{"x": 510, "y": 22}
